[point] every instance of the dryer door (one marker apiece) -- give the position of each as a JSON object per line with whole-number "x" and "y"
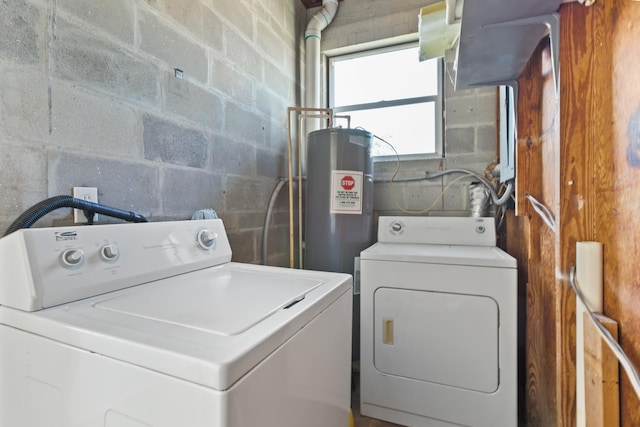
{"x": 444, "y": 338}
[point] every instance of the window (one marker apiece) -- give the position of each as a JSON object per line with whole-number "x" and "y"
{"x": 393, "y": 95}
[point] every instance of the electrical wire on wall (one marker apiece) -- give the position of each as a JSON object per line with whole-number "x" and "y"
{"x": 632, "y": 373}
{"x": 545, "y": 214}
{"x": 435, "y": 202}
{"x": 501, "y": 210}
{"x": 498, "y": 200}
{"x": 498, "y": 197}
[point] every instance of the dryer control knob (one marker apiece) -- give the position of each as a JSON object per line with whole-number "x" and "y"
{"x": 72, "y": 258}
{"x": 396, "y": 226}
{"x": 109, "y": 253}
{"x": 206, "y": 239}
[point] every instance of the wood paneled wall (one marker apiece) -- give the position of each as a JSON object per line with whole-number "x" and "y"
{"x": 579, "y": 154}
{"x": 618, "y": 219}
{"x": 537, "y": 171}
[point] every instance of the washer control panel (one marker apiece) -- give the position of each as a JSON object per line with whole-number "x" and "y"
{"x": 437, "y": 230}
{"x": 43, "y": 267}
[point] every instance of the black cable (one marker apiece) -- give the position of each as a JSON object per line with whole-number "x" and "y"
{"x": 40, "y": 209}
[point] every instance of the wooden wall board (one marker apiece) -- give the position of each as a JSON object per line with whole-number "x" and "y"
{"x": 535, "y": 170}
{"x": 621, "y": 222}
{"x": 542, "y": 320}
{"x": 581, "y": 153}
{"x": 528, "y": 161}
{"x": 586, "y": 149}
{"x": 575, "y": 168}
{"x": 602, "y": 398}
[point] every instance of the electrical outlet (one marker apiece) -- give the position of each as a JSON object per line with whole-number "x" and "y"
{"x": 90, "y": 194}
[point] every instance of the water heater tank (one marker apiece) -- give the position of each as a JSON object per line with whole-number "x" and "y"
{"x": 339, "y": 198}
{"x": 339, "y": 204}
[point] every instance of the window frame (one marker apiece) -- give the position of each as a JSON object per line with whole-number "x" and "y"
{"x": 438, "y": 99}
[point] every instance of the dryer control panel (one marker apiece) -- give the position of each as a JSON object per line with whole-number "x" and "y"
{"x": 44, "y": 267}
{"x": 468, "y": 231}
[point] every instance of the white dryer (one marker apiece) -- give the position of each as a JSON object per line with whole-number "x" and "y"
{"x": 138, "y": 325}
{"x": 438, "y": 324}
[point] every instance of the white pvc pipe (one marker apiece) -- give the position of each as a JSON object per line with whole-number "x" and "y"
{"x": 312, "y": 84}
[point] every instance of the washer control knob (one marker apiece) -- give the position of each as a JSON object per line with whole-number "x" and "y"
{"x": 72, "y": 258}
{"x": 206, "y": 239}
{"x": 396, "y": 226}
{"x": 109, "y": 253}
{"x": 480, "y": 229}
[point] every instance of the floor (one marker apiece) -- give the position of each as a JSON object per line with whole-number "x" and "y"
{"x": 359, "y": 420}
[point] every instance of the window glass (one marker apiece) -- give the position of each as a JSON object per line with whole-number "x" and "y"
{"x": 390, "y": 93}
{"x": 384, "y": 76}
{"x": 403, "y": 127}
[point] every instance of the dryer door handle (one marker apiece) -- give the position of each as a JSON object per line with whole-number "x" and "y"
{"x": 387, "y": 331}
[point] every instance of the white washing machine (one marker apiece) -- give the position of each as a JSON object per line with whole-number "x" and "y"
{"x": 133, "y": 325}
{"x": 438, "y": 324}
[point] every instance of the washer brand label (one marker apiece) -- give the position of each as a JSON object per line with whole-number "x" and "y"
{"x": 66, "y": 235}
{"x": 346, "y": 192}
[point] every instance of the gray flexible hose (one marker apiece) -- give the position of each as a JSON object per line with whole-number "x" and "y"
{"x": 267, "y": 218}
{"x": 497, "y": 200}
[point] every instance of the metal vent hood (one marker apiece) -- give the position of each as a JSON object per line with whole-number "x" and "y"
{"x": 497, "y": 38}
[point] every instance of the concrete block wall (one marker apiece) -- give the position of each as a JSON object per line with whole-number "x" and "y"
{"x": 470, "y": 140}
{"x": 89, "y": 97}
{"x": 470, "y": 126}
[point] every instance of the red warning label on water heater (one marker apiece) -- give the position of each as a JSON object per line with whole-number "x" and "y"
{"x": 346, "y": 192}
{"x": 348, "y": 182}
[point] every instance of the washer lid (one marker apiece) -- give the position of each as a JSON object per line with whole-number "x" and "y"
{"x": 226, "y": 303}
{"x": 209, "y": 327}
{"x": 484, "y": 256}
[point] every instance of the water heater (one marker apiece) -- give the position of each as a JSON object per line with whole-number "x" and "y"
{"x": 339, "y": 205}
